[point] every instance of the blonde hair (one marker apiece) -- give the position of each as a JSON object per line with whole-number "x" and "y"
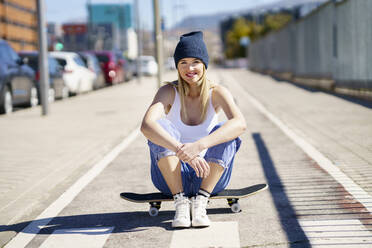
{"x": 184, "y": 89}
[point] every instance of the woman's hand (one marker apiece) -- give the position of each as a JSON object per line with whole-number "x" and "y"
{"x": 200, "y": 166}
{"x": 188, "y": 151}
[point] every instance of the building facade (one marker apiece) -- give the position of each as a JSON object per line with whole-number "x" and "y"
{"x": 75, "y": 36}
{"x": 18, "y": 24}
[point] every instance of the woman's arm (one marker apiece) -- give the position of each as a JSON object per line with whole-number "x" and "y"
{"x": 232, "y": 128}
{"x": 151, "y": 128}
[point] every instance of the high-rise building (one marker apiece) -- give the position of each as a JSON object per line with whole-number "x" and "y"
{"x": 111, "y": 27}
{"x": 18, "y": 23}
{"x": 119, "y": 15}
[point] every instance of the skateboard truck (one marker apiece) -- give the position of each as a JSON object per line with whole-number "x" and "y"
{"x": 234, "y": 205}
{"x": 154, "y": 208}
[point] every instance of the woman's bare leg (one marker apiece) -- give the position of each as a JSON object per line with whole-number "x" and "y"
{"x": 170, "y": 168}
{"x": 214, "y": 176}
{"x": 200, "y": 202}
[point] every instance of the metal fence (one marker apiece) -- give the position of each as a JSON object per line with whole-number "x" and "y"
{"x": 333, "y": 42}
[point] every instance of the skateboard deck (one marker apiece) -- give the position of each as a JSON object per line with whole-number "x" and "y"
{"x": 232, "y": 196}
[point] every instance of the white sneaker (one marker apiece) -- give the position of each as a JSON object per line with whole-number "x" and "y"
{"x": 199, "y": 211}
{"x": 182, "y": 216}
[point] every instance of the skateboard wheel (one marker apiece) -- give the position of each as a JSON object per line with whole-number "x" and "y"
{"x": 236, "y": 207}
{"x": 153, "y": 211}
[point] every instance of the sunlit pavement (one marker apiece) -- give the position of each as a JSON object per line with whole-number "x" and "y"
{"x": 309, "y": 203}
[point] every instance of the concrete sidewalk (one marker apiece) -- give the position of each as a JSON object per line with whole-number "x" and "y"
{"x": 41, "y": 156}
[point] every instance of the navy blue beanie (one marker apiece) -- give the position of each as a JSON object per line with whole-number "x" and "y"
{"x": 191, "y": 45}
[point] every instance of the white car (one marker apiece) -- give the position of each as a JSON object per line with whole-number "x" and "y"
{"x": 78, "y": 78}
{"x": 148, "y": 65}
{"x": 169, "y": 64}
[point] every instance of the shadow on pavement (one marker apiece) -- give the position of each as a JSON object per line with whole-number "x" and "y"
{"x": 295, "y": 234}
{"x": 123, "y": 222}
{"x": 226, "y": 210}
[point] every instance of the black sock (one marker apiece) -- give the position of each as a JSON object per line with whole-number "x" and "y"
{"x": 180, "y": 194}
{"x": 204, "y": 193}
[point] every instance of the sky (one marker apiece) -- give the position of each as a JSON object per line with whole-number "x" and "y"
{"x": 172, "y": 10}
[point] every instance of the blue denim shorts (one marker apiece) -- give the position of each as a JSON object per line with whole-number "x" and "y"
{"x": 222, "y": 154}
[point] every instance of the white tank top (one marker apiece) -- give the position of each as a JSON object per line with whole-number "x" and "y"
{"x": 192, "y": 133}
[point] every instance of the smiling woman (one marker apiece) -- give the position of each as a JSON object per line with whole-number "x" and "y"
{"x": 191, "y": 69}
{"x": 191, "y": 153}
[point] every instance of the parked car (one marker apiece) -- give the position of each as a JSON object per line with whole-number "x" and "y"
{"x": 170, "y": 64}
{"x": 132, "y": 67}
{"x": 126, "y": 64}
{"x": 57, "y": 86}
{"x": 112, "y": 68}
{"x": 148, "y": 65}
{"x": 129, "y": 69}
{"x": 92, "y": 63}
{"x": 77, "y": 77}
{"x": 17, "y": 86}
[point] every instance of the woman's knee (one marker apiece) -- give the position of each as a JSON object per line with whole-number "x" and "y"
{"x": 168, "y": 162}
{"x": 222, "y": 153}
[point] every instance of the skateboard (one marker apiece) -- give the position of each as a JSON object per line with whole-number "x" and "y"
{"x": 232, "y": 196}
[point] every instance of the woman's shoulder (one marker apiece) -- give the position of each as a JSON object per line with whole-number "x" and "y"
{"x": 174, "y": 83}
{"x": 219, "y": 90}
{"x": 220, "y": 96}
{"x": 168, "y": 86}
{"x": 167, "y": 92}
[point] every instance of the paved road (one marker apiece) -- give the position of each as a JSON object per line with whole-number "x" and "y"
{"x": 312, "y": 149}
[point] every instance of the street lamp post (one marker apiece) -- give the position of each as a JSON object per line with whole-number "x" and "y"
{"x": 159, "y": 42}
{"x": 139, "y": 42}
{"x": 43, "y": 58}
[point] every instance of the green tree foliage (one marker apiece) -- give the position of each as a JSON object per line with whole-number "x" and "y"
{"x": 243, "y": 27}
{"x": 275, "y": 22}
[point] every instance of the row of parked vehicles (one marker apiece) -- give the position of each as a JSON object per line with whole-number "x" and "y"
{"x": 70, "y": 73}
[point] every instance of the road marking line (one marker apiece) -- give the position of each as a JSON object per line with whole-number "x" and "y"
{"x": 350, "y": 233}
{"x": 29, "y": 232}
{"x": 219, "y": 234}
{"x": 349, "y": 185}
{"x": 78, "y": 237}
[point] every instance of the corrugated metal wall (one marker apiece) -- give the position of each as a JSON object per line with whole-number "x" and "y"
{"x": 353, "y": 64}
{"x": 333, "y": 42}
